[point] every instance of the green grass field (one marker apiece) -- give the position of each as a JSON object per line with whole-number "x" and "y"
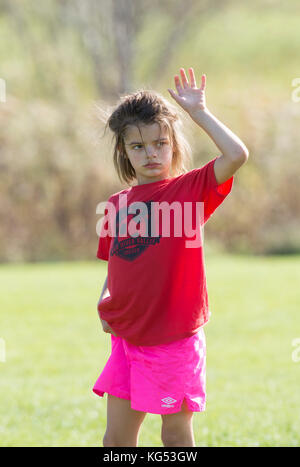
{"x": 55, "y": 350}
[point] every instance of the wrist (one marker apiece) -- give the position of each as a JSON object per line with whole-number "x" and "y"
{"x": 199, "y": 112}
{"x": 202, "y": 117}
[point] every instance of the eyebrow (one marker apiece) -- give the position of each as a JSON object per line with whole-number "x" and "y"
{"x": 155, "y": 141}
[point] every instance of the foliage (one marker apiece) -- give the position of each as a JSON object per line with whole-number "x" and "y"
{"x": 55, "y": 168}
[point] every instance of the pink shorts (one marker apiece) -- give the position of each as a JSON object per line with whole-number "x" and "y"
{"x": 156, "y": 379}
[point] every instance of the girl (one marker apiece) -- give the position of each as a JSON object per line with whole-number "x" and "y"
{"x": 154, "y": 301}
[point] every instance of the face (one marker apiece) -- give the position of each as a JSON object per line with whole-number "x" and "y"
{"x": 149, "y": 145}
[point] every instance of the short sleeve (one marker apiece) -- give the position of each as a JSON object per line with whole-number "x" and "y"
{"x": 105, "y": 238}
{"x": 203, "y": 186}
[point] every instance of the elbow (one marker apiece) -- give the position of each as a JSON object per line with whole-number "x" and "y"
{"x": 242, "y": 155}
{"x": 245, "y": 154}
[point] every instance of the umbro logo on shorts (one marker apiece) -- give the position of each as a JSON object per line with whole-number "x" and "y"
{"x": 168, "y": 401}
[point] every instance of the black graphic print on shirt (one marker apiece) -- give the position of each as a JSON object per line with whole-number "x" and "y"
{"x": 131, "y": 247}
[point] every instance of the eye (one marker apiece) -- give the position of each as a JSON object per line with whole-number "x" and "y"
{"x": 141, "y": 145}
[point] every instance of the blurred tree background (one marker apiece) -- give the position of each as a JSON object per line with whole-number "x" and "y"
{"x": 62, "y": 58}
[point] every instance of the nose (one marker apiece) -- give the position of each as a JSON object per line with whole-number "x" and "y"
{"x": 151, "y": 151}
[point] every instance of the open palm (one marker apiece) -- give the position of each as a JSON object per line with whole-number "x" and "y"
{"x": 189, "y": 97}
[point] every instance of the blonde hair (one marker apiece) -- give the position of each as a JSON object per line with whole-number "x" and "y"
{"x": 145, "y": 107}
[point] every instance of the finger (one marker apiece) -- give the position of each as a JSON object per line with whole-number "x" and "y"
{"x": 192, "y": 78}
{"x": 203, "y": 81}
{"x": 177, "y": 84}
{"x": 184, "y": 78}
{"x": 174, "y": 95}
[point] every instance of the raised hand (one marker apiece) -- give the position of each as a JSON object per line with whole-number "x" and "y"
{"x": 189, "y": 97}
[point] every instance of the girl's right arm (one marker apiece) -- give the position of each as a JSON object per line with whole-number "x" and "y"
{"x": 105, "y": 325}
{"x": 104, "y": 290}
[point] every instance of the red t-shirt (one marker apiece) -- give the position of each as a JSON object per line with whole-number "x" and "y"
{"x": 157, "y": 285}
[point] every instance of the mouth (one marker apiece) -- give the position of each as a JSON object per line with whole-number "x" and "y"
{"x": 154, "y": 164}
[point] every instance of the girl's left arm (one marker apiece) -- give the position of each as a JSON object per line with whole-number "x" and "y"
{"x": 192, "y": 100}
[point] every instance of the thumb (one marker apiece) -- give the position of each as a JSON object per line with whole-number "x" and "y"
{"x": 174, "y": 95}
